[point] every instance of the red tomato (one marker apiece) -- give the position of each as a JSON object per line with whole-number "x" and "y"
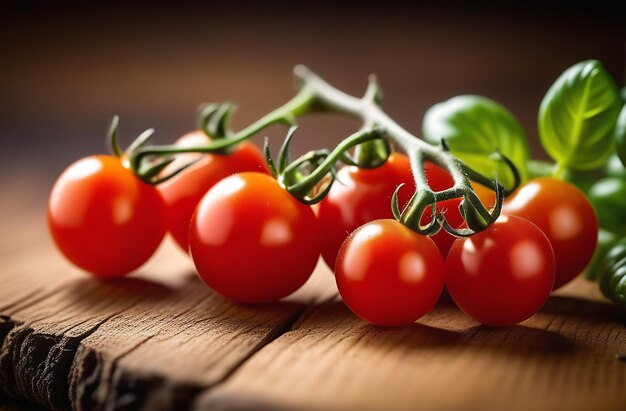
{"x": 567, "y": 218}
{"x": 362, "y": 195}
{"x": 358, "y": 196}
{"x": 183, "y": 192}
{"x": 252, "y": 241}
{"x": 388, "y": 274}
{"x": 103, "y": 218}
{"x": 502, "y": 275}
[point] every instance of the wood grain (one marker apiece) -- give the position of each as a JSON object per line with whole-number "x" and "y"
{"x": 153, "y": 341}
{"x": 162, "y": 340}
{"x": 562, "y": 358}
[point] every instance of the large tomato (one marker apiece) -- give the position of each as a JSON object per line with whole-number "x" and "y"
{"x": 183, "y": 192}
{"x": 388, "y": 274}
{"x": 567, "y": 218}
{"x": 252, "y": 241}
{"x": 103, "y": 218}
{"x": 503, "y": 274}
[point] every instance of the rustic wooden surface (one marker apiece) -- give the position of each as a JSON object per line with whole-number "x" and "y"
{"x": 161, "y": 340}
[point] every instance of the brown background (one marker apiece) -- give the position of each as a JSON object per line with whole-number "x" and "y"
{"x": 65, "y": 71}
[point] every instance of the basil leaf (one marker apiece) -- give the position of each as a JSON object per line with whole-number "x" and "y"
{"x": 577, "y": 116}
{"x": 620, "y": 135}
{"x": 476, "y": 127}
{"x": 613, "y": 274}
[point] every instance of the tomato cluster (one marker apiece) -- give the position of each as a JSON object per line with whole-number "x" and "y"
{"x": 499, "y": 276}
{"x": 252, "y": 241}
{"x": 248, "y": 224}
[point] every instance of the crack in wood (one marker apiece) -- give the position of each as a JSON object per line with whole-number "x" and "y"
{"x": 128, "y": 392}
{"x": 36, "y": 366}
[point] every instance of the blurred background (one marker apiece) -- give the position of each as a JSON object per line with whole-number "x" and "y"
{"x": 65, "y": 70}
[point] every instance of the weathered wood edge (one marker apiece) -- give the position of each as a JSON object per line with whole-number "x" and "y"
{"x": 53, "y": 358}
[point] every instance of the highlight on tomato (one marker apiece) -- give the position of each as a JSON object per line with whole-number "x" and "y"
{"x": 183, "y": 192}
{"x": 502, "y": 275}
{"x": 389, "y": 275}
{"x": 566, "y": 217}
{"x": 252, "y": 241}
{"x": 103, "y": 218}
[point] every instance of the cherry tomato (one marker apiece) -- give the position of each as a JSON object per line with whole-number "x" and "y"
{"x": 183, "y": 192}
{"x": 252, "y": 241}
{"x": 358, "y": 196}
{"x": 103, "y": 218}
{"x": 502, "y": 275}
{"x": 389, "y": 275}
{"x": 362, "y": 195}
{"x": 567, "y": 218}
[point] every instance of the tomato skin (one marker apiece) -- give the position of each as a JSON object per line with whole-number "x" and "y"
{"x": 566, "y": 217}
{"x": 103, "y": 218}
{"x": 502, "y": 275}
{"x": 389, "y": 275}
{"x": 358, "y": 196}
{"x": 362, "y": 195}
{"x": 252, "y": 241}
{"x": 183, "y": 192}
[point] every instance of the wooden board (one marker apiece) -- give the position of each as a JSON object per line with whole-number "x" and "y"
{"x": 161, "y": 340}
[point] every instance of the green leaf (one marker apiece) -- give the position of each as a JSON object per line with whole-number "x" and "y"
{"x": 606, "y": 241}
{"x": 577, "y": 116}
{"x": 614, "y": 167}
{"x": 613, "y": 274}
{"x": 620, "y": 135}
{"x": 475, "y": 127}
{"x": 608, "y": 197}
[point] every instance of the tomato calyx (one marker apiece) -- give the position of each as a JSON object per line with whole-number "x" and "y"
{"x": 477, "y": 217}
{"x": 310, "y": 177}
{"x": 214, "y": 120}
{"x": 148, "y": 172}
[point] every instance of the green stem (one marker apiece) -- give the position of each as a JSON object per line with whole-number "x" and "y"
{"x": 328, "y": 98}
{"x": 317, "y": 95}
{"x": 286, "y": 113}
{"x": 303, "y": 187}
{"x": 560, "y": 171}
{"x": 371, "y": 154}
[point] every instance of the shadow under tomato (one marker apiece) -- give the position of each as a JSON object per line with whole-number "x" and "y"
{"x": 517, "y": 340}
{"x": 583, "y": 309}
{"x": 119, "y": 288}
{"x": 102, "y": 297}
{"x": 446, "y": 327}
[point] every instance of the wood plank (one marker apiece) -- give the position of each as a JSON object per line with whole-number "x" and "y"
{"x": 14, "y": 404}
{"x": 562, "y": 358}
{"x": 161, "y": 340}
{"x": 69, "y": 341}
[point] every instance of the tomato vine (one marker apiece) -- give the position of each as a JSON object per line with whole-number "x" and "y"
{"x": 316, "y": 95}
